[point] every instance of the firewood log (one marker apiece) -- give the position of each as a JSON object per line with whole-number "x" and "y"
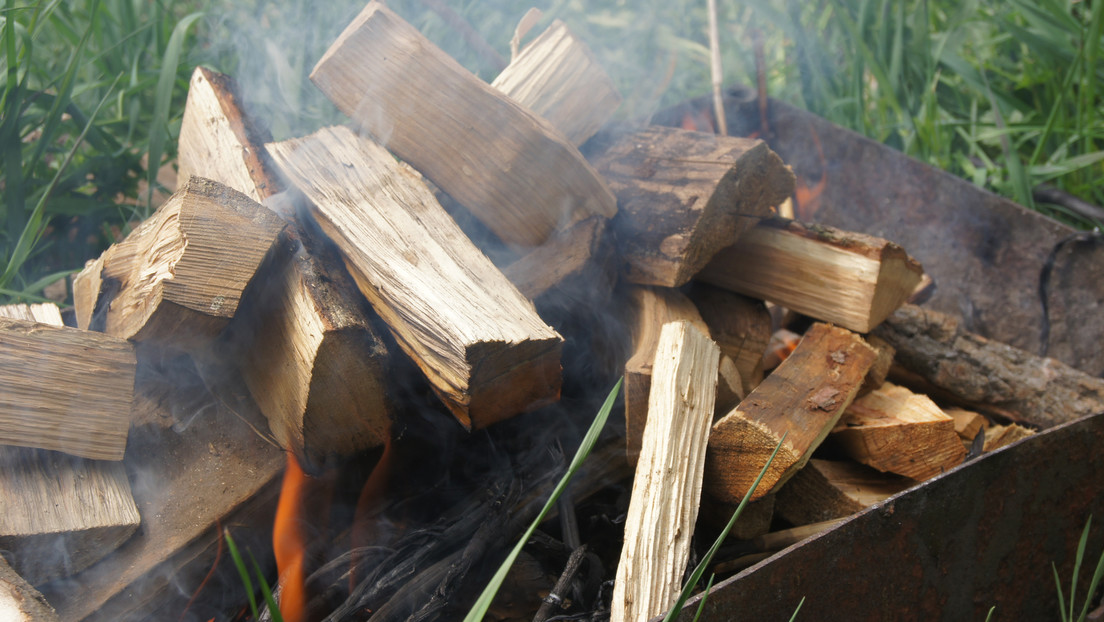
{"x": 59, "y": 514}
{"x": 879, "y": 371}
{"x": 741, "y": 326}
{"x": 755, "y": 519}
{"x": 313, "y": 360}
{"x": 177, "y": 279}
{"x": 990, "y": 377}
{"x": 829, "y": 489}
{"x": 895, "y": 430}
{"x": 512, "y": 169}
{"x": 479, "y": 341}
{"x": 667, "y": 485}
{"x": 850, "y": 279}
{"x": 653, "y": 308}
{"x": 998, "y": 436}
{"x": 968, "y": 424}
{"x": 19, "y": 601}
{"x": 684, "y": 196}
{"x": 557, "y": 77}
{"x": 65, "y": 389}
{"x": 802, "y": 399}
{"x": 565, "y": 255}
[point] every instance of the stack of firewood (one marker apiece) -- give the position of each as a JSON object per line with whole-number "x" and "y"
{"x": 308, "y": 266}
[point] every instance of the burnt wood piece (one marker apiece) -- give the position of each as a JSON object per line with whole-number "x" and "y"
{"x": 65, "y": 389}
{"x": 177, "y": 279}
{"x": 557, "y": 77}
{"x": 830, "y": 489}
{"x": 985, "y": 253}
{"x": 486, "y": 352}
{"x": 802, "y": 399}
{"x": 458, "y": 131}
{"x": 59, "y": 514}
{"x": 846, "y": 278}
{"x": 990, "y": 377}
{"x": 895, "y": 430}
{"x": 653, "y": 308}
{"x": 312, "y": 358}
{"x": 19, "y": 601}
{"x": 683, "y": 196}
{"x": 667, "y": 486}
{"x": 741, "y": 326}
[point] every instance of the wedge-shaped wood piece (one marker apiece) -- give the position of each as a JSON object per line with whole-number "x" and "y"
{"x": 177, "y": 279}
{"x": 879, "y": 371}
{"x": 829, "y": 489}
{"x": 557, "y": 77}
{"x": 314, "y": 363}
{"x": 19, "y": 601}
{"x": 667, "y": 485}
{"x": 479, "y": 341}
{"x": 802, "y": 399}
{"x": 968, "y": 424}
{"x": 684, "y": 196}
{"x": 988, "y": 376}
{"x": 512, "y": 169}
{"x": 895, "y": 430}
{"x": 741, "y": 326}
{"x": 1000, "y": 435}
{"x": 754, "y": 521}
{"x": 565, "y": 255}
{"x": 58, "y": 513}
{"x": 850, "y": 279}
{"x": 652, "y": 309}
{"x": 65, "y": 389}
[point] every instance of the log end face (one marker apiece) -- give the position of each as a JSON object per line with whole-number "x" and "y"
{"x": 505, "y": 388}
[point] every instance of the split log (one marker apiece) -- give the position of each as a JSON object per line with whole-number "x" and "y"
{"x": 741, "y": 326}
{"x": 653, "y": 308}
{"x": 754, "y": 521}
{"x": 557, "y": 77}
{"x": 458, "y": 131}
{"x": 177, "y": 279}
{"x": 65, "y": 389}
{"x": 565, "y": 255}
{"x": 19, "y": 602}
{"x": 478, "y": 340}
{"x": 998, "y": 436}
{"x": 829, "y": 489}
{"x": 895, "y": 430}
{"x": 802, "y": 399}
{"x": 684, "y": 196}
{"x": 667, "y": 486}
{"x": 59, "y": 514}
{"x": 968, "y": 424}
{"x": 879, "y": 371}
{"x": 313, "y": 361}
{"x": 987, "y": 376}
{"x": 850, "y": 279}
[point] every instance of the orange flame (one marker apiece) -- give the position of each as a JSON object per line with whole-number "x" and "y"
{"x": 289, "y": 544}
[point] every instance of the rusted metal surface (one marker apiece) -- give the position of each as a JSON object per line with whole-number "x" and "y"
{"x": 985, "y": 253}
{"x": 982, "y": 535}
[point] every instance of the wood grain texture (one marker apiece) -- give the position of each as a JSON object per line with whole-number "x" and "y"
{"x": 849, "y": 279}
{"x": 565, "y": 255}
{"x": 19, "y": 601}
{"x": 178, "y": 277}
{"x": 479, "y": 341}
{"x": 829, "y": 489}
{"x": 314, "y": 363}
{"x": 802, "y": 399}
{"x": 741, "y": 326}
{"x": 667, "y": 485}
{"x": 512, "y": 169}
{"x": 684, "y": 196}
{"x": 895, "y": 430}
{"x": 989, "y": 376}
{"x": 557, "y": 77}
{"x": 65, "y": 389}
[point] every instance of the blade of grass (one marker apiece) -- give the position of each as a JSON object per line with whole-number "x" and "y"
{"x": 700, "y": 570}
{"x": 1098, "y": 574}
{"x": 483, "y": 603}
{"x": 1061, "y": 598}
{"x": 239, "y": 563}
{"x": 159, "y": 127}
{"x": 273, "y": 608}
{"x": 705, "y": 597}
{"x": 799, "y": 604}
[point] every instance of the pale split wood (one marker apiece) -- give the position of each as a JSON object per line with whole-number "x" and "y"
{"x": 667, "y": 486}
{"x": 893, "y": 429}
{"x": 829, "y": 489}
{"x": 512, "y": 169}
{"x": 479, "y": 341}
{"x": 879, "y": 371}
{"x": 564, "y": 255}
{"x": 802, "y": 399}
{"x": 968, "y": 424}
{"x": 651, "y": 309}
{"x": 19, "y": 601}
{"x": 65, "y": 389}
{"x": 740, "y": 325}
{"x": 557, "y": 77}
{"x": 850, "y": 279}
{"x": 684, "y": 195}
{"x": 177, "y": 279}
{"x": 1001, "y": 435}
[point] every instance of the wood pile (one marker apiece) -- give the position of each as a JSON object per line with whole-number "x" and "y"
{"x": 298, "y": 277}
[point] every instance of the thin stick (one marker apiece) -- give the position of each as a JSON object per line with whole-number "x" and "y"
{"x": 715, "y": 66}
